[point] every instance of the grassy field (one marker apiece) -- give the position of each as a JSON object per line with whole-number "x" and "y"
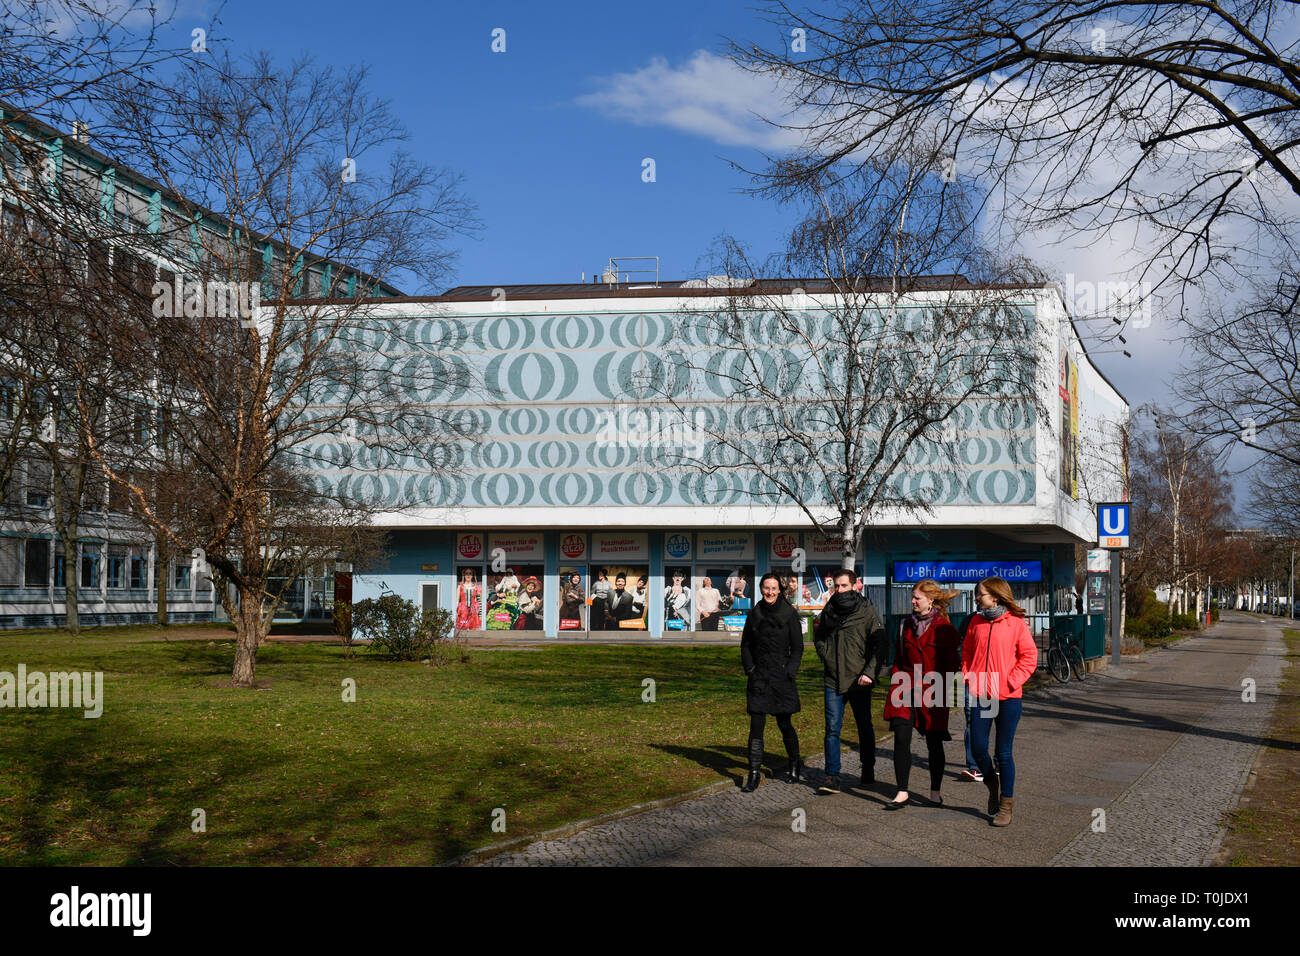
{"x": 1265, "y": 829}
{"x": 409, "y": 773}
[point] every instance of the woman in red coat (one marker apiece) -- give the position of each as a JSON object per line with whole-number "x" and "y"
{"x": 927, "y": 654}
{"x": 999, "y": 656}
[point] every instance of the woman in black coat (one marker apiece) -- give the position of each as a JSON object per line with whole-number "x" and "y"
{"x": 770, "y": 649}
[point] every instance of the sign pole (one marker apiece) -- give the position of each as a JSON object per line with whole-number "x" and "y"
{"x": 1116, "y": 583}
{"x": 1113, "y": 534}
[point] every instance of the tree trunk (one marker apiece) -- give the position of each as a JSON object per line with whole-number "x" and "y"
{"x": 249, "y": 634}
{"x": 160, "y": 580}
{"x": 72, "y": 622}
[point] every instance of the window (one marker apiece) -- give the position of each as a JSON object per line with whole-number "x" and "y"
{"x": 59, "y": 566}
{"x": 36, "y": 564}
{"x": 90, "y": 566}
{"x": 181, "y": 577}
{"x": 11, "y": 562}
{"x": 38, "y": 483}
{"x": 139, "y": 571}
{"x": 116, "y": 568}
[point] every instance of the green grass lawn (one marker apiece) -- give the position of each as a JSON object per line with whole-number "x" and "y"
{"x": 408, "y": 774}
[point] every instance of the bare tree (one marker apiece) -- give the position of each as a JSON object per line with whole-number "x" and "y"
{"x": 831, "y": 392}
{"x": 1172, "y": 125}
{"x": 1182, "y": 511}
{"x": 1242, "y": 382}
{"x": 262, "y": 354}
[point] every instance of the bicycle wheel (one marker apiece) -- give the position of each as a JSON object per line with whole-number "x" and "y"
{"x": 1075, "y": 657}
{"x": 1057, "y": 664}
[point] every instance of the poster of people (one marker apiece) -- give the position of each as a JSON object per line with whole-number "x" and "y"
{"x": 621, "y": 604}
{"x": 469, "y": 599}
{"x": 573, "y": 599}
{"x": 677, "y": 599}
{"x": 1069, "y": 389}
{"x": 724, "y": 597}
{"x": 515, "y": 598}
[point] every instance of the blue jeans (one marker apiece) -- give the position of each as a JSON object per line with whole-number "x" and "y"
{"x": 1008, "y": 716}
{"x": 859, "y": 699}
{"x": 968, "y": 705}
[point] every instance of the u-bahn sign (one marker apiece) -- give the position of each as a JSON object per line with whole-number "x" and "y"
{"x": 1113, "y": 524}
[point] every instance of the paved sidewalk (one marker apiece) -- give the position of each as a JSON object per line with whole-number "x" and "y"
{"x": 1162, "y": 745}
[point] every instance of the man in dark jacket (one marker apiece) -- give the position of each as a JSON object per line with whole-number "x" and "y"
{"x": 849, "y": 637}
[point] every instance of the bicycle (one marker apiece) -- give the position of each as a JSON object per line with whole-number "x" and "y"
{"x": 1063, "y": 656}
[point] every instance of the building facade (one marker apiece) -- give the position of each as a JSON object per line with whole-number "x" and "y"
{"x": 568, "y": 476}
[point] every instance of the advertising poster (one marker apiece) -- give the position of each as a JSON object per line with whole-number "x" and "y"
{"x": 1098, "y": 591}
{"x": 625, "y": 603}
{"x": 1069, "y": 390}
{"x": 729, "y": 607}
{"x": 469, "y": 598}
{"x": 573, "y": 599}
{"x": 678, "y": 605}
{"x": 514, "y": 598}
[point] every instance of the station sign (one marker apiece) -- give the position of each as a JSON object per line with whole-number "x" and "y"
{"x": 1113, "y": 524}
{"x": 968, "y": 571}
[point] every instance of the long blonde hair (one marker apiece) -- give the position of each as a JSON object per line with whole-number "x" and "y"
{"x": 1002, "y": 591}
{"x": 937, "y": 595}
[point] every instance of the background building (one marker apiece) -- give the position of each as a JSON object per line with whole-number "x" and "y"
{"x": 559, "y": 484}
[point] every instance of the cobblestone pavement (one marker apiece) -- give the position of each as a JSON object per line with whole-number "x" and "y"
{"x": 1161, "y": 745}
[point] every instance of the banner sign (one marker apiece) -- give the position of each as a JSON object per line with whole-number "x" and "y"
{"x": 968, "y": 571}
{"x": 573, "y": 546}
{"x": 609, "y": 545}
{"x": 469, "y": 546}
{"x": 739, "y": 547}
{"x": 677, "y": 546}
{"x": 516, "y": 546}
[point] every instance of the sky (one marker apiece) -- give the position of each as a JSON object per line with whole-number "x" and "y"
{"x": 552, "y": 134}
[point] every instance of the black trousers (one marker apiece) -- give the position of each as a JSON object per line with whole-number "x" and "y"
{"x": 903, "y": 753}
{"x": 788, "y": 736}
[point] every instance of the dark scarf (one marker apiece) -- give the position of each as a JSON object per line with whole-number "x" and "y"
{"x": 993, "y": 613}
{"x": 779, "y": 611}
{"x": 840, "y": 607}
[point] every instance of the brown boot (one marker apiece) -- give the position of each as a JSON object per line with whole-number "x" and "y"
{"x": 1003, "y": 818}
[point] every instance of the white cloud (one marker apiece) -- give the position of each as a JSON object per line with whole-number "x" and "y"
{"x": 707, "y": 96}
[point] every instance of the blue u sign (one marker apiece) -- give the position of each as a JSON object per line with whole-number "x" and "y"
{"x": 1113, "y": 524}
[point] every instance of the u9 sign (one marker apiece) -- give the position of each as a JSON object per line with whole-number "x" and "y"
{"x": 1113, "y": 524}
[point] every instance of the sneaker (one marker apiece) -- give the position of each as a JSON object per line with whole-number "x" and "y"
{"x": 830, "y": 785}
{"x": 974, "y": 775}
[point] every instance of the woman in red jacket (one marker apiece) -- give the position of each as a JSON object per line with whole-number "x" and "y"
{"x": 928, "y": 653}
{"x": 998, "y": 657}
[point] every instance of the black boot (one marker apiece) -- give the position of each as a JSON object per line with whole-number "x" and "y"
{"x": 755, "y": 765}
{"x": 794, "y": 773}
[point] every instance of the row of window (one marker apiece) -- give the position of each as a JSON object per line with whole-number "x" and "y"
{"x": 25, "y": 562}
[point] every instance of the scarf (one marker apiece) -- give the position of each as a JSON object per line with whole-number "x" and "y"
{"x": 841, "y": 606}
{"x": 993, "y": 613}
{"x": 922, "y": 624}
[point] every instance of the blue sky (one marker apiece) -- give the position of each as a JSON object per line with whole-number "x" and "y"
{"x": 551, "y": 154}
{"x": 551, "y": 134}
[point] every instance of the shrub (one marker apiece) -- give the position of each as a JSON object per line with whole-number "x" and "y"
{"x": 1151, "y": 626}
{"x": 399, "y": 630}
{"x": 343, "y": 625}
{"x": 1184, "y": 622}
{"x": 1214, "y": 614}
